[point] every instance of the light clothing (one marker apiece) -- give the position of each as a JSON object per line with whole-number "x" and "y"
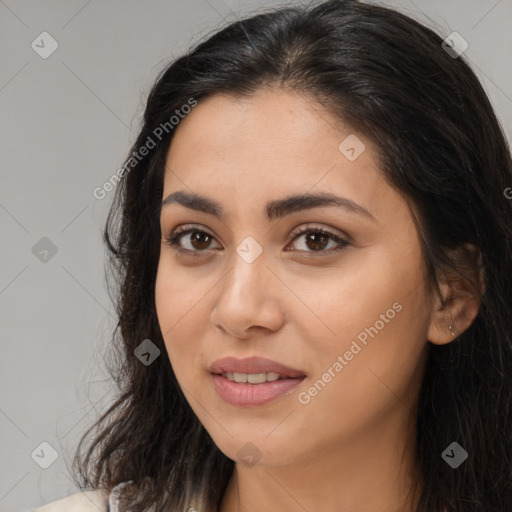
{"x": 86, "y": 501}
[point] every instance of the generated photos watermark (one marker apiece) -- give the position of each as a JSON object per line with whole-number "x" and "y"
{"x": 304, "y": 397}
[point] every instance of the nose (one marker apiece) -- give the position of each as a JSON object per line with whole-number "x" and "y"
{"x": 248, "y": 300}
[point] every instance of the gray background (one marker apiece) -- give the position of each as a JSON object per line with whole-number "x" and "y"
{"x": 67, "y": 124}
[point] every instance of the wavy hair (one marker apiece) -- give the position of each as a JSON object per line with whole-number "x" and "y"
{"x": 438, "y": 142}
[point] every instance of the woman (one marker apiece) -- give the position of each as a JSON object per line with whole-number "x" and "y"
{"x": 314, "y": 251}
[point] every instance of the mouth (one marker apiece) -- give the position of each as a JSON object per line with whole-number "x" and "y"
{"x": 252, "y": 378}
{"x": 253, "y": 381}
{"x": 252, "y": 367}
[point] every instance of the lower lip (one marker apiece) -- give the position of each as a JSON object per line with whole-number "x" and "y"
{"x": 244, "y": 394}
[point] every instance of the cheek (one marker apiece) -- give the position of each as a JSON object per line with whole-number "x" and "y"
{"x": 369, "y": 287}
{"x": 379, "y": 315}
{"x": 178, "y": 304}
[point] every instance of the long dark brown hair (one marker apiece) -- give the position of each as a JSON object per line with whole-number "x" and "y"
{"x": 439, "y": 143}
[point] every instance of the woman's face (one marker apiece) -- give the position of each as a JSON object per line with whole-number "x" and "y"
{"x": 349, "y": 318}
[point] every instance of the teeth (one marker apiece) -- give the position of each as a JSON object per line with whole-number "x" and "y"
{"x": 251, "y": 378}
{"x": 256, "y": 378}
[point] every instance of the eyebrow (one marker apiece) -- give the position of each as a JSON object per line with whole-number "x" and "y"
{"x": 274, "y": 209}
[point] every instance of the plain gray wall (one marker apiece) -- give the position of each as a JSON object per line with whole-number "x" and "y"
{"x": 67, "y": 124}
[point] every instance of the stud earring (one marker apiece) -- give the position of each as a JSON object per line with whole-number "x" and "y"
{"x": 451, "y": 328}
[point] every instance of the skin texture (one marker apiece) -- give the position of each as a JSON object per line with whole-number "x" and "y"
{"x": 351, "y": 446}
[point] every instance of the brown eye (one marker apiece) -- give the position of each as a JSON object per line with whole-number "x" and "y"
{"x": 195, "y": 241}
{"x": 316, "y": 240}
{"x": 200, "y": 240}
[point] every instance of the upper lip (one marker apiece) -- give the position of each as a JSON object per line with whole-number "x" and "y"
{"x": 253, "y": 365}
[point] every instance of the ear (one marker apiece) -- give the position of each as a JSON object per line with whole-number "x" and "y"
{"x": 461, "y": 289}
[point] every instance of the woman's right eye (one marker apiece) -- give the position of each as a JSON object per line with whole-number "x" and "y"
{"x": 198, "y": 243}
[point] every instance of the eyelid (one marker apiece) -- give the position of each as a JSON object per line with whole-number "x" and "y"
{"x": 189, "y": 227}
{"x": 311, "y": 226}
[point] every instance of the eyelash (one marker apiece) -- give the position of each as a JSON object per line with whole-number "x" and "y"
{"x": 173, "y": 240}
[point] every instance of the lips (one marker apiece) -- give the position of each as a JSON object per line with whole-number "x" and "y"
{"x": 254, "y": 381}
{"x": 253, "y": 365}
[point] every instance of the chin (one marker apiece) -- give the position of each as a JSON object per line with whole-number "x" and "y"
{"x": 257, "y": 449}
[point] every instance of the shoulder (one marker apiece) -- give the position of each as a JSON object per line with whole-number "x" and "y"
{"x": 86, "y": 501}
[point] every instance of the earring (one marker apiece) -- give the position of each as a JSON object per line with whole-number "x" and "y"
{"x": 451, "y": 327}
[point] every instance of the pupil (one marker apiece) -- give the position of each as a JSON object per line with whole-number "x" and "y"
{"x": 196, "y": 238}
{"x": 312, "y": 237}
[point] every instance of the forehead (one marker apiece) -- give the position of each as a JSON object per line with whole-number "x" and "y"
{"x": 273, "y": 144}
{"x": 282, "y": 124}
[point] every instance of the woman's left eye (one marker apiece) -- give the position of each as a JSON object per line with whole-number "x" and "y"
{"x": 316, "y": 240}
